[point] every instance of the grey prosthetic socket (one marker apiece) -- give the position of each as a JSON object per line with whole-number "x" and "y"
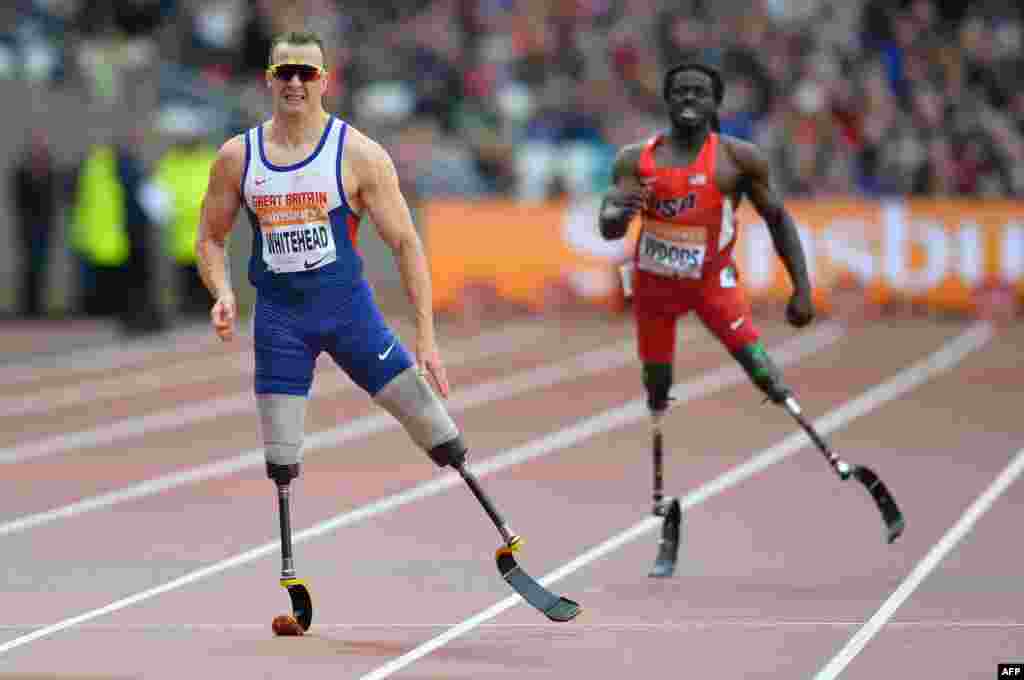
{"x": 658, "y": 383}
{"x": 419, "y": 410}
{"x": 763, "y": 372}
{"x": 282, "y": 422}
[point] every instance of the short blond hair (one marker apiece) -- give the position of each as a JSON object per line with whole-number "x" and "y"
{"x": 297, "y": 38}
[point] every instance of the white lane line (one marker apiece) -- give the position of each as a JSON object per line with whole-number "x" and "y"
{"x": 126, "y": 383}
{"x": 206, "y": 368}
{"x": 610, "y": 419}
{"x": 109, "y": 356}
{"x": 920, "y": 572}
{"x": 577, "y": 627}
{"x": 595, "y": 361}
{"x": 365, "y": 426}
{"x": 942, "y": 360}
{"x": 328, "y": 382}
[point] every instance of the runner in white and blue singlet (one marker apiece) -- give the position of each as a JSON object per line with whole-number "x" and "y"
{"x": 306, "y": 268}
{"x": 306, "y": 178}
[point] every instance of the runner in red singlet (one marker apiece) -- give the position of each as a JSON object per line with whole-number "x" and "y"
{"x": 687, "y": 183}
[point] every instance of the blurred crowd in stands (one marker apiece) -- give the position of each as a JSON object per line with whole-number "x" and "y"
{"x": 530, "y": 99}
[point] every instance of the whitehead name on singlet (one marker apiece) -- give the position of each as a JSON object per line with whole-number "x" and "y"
{"x": 298, "y": 241}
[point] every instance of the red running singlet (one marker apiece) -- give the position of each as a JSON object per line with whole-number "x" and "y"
{"x": 683, "y": 260}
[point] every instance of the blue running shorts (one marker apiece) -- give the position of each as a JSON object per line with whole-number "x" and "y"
{"x": 289, "y": 334}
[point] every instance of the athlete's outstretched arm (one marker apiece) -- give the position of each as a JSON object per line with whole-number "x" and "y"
{"x": 768, "y": 202}
{"x": 220, "y": 207}
{"x": 380, "y": 193}
{"x": 625, "y": 197}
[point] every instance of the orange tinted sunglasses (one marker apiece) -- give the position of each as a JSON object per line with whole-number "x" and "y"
{"x": 306, "y": 72}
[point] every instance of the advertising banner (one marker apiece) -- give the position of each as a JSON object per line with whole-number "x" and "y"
{"x": 939, "y": 253}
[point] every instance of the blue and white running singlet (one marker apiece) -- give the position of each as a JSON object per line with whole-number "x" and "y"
{"x": 308, "y": 275}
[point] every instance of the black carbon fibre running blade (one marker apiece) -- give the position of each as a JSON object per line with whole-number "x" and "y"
{"x": 668, "y": 546}
{"x": 891, "y": 515}
{"x": 302, "y": 601}
{"x": 556, "y": 608}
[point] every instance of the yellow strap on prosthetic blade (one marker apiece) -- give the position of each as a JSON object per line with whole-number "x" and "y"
{"x": 514, "y": 545}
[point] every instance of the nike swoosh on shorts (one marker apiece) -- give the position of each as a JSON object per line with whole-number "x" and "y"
{"x": 384, "y": 355}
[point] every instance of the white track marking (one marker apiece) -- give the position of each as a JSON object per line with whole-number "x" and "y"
{"x": 595, "y": 361}
{"x": 126, "y": 383}
{"x": 577, "y": 627}
{"x": 205, "y": 368}
{"x": 920, "y": 572}
{"x": 942, "y": 360}
{"x": 108, "y": 357}
{"x": 610, "y": 419}
{"x": 330, "y": 382}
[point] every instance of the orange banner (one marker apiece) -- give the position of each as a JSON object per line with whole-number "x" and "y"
{"x": 519, "y": 249}
{"x": 935, "y": 252}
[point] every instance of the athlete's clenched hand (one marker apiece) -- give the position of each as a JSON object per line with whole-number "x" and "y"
{"x": 800, "y": 310}
{"x": 222, "y": 316}
{"x": 625, "y": 201}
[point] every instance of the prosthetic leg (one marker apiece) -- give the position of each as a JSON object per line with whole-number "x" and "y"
{"x": 282, "y": 418}
{"x": 768, "y": 378}
{"x": 302, "y": 601}
{"x": 413, "y": 403}
{"x": 658, "y": 382}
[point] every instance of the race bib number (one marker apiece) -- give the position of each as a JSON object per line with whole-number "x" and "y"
{"x": 680, "y": 259}
{"x": 297, "y": 235}
{"x": 299, "y": 248}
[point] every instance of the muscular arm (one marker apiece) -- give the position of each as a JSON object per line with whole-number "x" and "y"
{"x": 219, "y": 209}
{"x": 382, "y": 196}
{"x": 768, "y": 203}
{"x": 625, "y": 197}
{"x": 380, "y": 193}
{"x": 217, "y": 217}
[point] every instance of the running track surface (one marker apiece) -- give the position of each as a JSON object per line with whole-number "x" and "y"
{"x": 783, "y": 571}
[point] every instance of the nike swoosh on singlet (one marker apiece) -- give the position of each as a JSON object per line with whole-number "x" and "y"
{"x": 310, "y": 265}
{"x": 384, "y": 355}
